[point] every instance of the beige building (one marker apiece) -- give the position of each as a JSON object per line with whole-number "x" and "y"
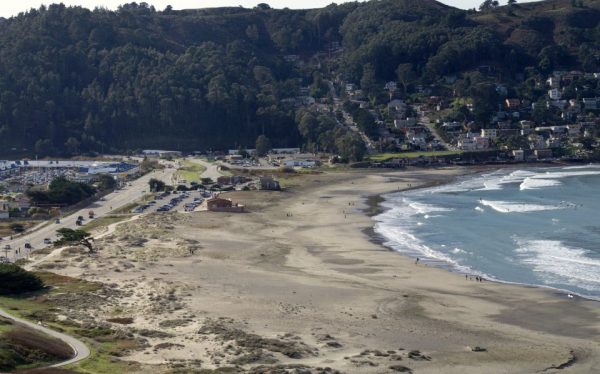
{"x": 4, "y": 209}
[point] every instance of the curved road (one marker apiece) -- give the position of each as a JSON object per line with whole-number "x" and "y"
{"x": 81, "y": 351}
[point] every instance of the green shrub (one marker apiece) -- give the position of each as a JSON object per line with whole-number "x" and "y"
{"x": 16, "y": 280}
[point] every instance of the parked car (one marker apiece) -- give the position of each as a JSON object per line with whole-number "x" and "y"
{"x": 4, "y": 260}
{"x": 27, "y": 245}
{"x": 47, "y": 241}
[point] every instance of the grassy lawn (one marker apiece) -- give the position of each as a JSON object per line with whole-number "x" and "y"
{"x": 190, "y": 171}
{"x": 388, "y": 156}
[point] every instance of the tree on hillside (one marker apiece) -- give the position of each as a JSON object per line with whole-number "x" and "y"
{"x": 488, "y": 5}
{"x": 70, "y": 236}
{"x": 406, "y": 75}
{"x": 351, "y": 147}
{"x": 511, "y": 2}
{"x": 368, "y": 82}
{"x": 263, "y": 145}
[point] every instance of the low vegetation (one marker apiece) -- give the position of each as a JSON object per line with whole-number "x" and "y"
{"x": 62, "y": 291}
{"x": 25, "y": 348}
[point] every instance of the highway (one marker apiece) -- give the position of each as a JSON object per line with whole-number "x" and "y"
{"x": 112, "y": 201}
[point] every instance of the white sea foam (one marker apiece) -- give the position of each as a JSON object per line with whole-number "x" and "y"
{"x": 398, "y": 223}
{"x": 588, "y": 166}
{"x": 479, "y": 209}
{"x": 558, "y": 263}
{"x": 532, "y": 183}
{"x": 424, "y": 209}
{"x": 516, "y": 207}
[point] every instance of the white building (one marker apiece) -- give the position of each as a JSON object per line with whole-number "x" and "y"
{"x": 489, "y": 133}
{"x": 518, "y": 154}
{"x": 408, "y": 122}
{"x": 554, "y": 94}
{"x": 300, "y": 163}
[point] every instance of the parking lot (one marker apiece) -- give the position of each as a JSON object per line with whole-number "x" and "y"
{"x": 181, "y": 201}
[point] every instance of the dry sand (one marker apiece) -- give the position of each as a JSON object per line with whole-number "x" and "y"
{"x": 299, "y": 281}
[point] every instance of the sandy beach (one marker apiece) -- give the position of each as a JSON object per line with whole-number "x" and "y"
{"x": 299, "y": 282}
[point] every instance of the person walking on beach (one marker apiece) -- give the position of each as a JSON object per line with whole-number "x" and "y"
{"x": 417, "y": 261}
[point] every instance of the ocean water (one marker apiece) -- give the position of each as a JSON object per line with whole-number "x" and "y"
{"x": 538, "y": 226}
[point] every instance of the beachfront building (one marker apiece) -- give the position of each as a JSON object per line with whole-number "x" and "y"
{"x": 219, "y": 204}
{"x": 301, "y": 163}
{"x": 518, "y": 155}
{"x": 268, "y": 183}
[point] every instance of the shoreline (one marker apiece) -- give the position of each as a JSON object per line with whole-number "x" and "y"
{"x": 299, "y": 270}
{"x": 375, "y": 208}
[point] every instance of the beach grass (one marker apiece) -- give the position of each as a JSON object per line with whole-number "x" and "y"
{"x": 105, "y": 221}
{"x": 41, "y": 307}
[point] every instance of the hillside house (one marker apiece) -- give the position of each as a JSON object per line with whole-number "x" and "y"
{"x": 591, "y": 103}
{"x": 489, "y": 133}
{"x": 554, "y": 94}
{"x": 513, "y": 104}
{"x": 407, "y": 122}
{"x": 574, "y": 130}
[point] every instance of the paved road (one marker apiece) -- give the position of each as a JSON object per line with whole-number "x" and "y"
{"x": 79, "y": 348}
{"x": 425, "y": 121}
{"x": 112, "y": 201}
{"x": 349, "y": 122}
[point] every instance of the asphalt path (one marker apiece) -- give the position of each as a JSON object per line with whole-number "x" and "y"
{"x": 80, "y": 350}
{"x": 133, "y": 191}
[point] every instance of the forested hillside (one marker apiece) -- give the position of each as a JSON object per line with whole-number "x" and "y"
{"x": 74, "y": 80}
